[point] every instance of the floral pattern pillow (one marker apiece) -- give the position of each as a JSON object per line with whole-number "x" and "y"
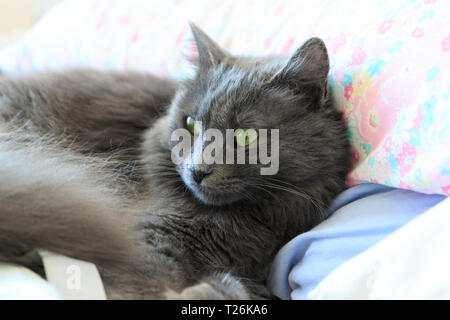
{"x": 390, "y": 63}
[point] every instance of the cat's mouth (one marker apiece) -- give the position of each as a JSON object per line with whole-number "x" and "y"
{"x": 209, "y": 192}
{"x": 214, "y": 196}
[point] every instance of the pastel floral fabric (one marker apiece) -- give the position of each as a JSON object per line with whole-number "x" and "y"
{"x": 390, "y": 63}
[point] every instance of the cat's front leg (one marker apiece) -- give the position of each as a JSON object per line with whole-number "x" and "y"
{"x": 221, "y": 286}
{"x": 218, "y": 287}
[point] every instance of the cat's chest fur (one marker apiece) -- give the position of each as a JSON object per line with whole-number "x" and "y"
{"x": 239, "y": 237}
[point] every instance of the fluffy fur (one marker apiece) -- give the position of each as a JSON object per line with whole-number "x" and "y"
{"x": 108, "y": 192}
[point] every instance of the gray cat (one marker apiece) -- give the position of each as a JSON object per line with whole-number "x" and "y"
{"x": 86, "y": 171}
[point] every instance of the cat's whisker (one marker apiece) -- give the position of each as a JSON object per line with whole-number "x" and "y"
{"x": 248, "y": 195}
{"x": 298, "y": 189}
{"x": 300, "y": 194}
{"x": 263, "y": 189}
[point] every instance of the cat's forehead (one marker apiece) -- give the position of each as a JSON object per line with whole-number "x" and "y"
{"x": 229, "y": 96}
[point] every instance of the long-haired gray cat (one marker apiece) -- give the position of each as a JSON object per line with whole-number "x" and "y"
{"x": 86, "y": 171}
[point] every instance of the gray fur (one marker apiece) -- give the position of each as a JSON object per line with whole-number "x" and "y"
{"x": 164, "y": 236}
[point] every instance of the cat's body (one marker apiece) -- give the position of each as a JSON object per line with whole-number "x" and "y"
{"x": 151, "y": 229}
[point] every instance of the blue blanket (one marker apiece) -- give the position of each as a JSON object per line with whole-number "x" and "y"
{"x": 359, "y": 217}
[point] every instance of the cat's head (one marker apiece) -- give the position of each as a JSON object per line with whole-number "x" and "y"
{"x": 228, "y": 92}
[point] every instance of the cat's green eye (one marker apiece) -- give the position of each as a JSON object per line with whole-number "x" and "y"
{"x": 190, "y": 125}
{"x": 244, "y": 137}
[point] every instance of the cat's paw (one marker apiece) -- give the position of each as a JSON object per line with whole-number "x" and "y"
{"x": 221, "y": 287}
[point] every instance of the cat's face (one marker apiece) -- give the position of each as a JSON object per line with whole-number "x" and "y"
{"x": 288, "y": 96}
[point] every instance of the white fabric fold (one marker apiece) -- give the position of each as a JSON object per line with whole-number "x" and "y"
{"x": 411, "y": 263}
{"x": 73, "y": 279}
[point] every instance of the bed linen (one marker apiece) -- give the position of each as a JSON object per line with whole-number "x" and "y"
{"x": 360, "y": 217}
{"x": 20, "y": 283}
{"x": 411, "y": 263}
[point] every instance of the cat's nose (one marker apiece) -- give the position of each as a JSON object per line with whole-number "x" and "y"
{"x": 199, "y": 175}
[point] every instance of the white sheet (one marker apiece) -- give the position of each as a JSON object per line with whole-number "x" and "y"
{"x": 411, "y": 263}
{"x": 20, "y": 283}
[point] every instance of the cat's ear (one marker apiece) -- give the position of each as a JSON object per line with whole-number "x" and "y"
{"x": 307, "y": 68}
{"x": 209, "y": 52}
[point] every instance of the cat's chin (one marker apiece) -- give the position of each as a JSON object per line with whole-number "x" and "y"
{"x": 214, "y": 198}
